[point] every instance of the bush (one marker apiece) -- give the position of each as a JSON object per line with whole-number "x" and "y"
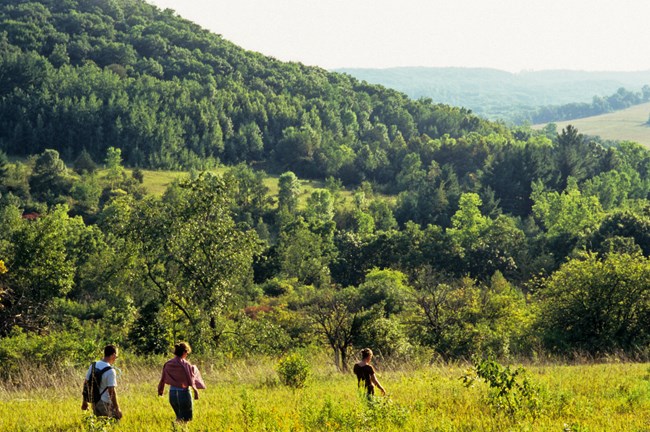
{"x": 597, "y": 305}
{"x": 293, "y": 370}
{"x": 57, "y": 349}
{"x": 511, "y": 392}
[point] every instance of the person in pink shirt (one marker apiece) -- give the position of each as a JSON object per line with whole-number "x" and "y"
{"x": 180, "y": 375}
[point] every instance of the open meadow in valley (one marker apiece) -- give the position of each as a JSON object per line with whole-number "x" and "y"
{"x": 248, "y": 397}
{"x": 165, "y": 189}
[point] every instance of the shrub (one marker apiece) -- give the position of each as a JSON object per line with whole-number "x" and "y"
{"x": 597, "y": 305}
{"x": 293, "y": 370}
{"x": 57, "y": 349}
{"x": 510, "y": 390}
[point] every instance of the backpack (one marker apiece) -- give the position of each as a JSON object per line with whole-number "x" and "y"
{"x": 91, "y": 391}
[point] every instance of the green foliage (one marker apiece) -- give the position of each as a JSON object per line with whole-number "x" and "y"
{"x": 387, "y": 336}
{"x": 91, "y": 423}
{"x": 193, "y": 254}
{"x": 337, "y": 317}
{"x": 386, "y": 288}
{"x": 510, "y": 390}
{"x": 114, "y": 165}
{"x": 164, "y": 91}
{"x": 44, "y": 256}
{"x": 597, "y": 305}
{"x": 467, "y": 224}
{"x": 86, "y": 192}
{"x": 293, "y": 370}
{"x": 49, "y": 181}
{"x": 289, "y": 189}
{"x": 304, "y": 254}
{"x": 568, "y": 212}
{"x": 622, "y": 225}
{"x": 149, "y": 335}
{"x": 462, "y": 317}
{"x": 451, "y": 217}
{"x": 4, "y": 162}
{"x": 84, "y": 163}
{"x": 256, "y": 332}
{"x": 20, "y": 349}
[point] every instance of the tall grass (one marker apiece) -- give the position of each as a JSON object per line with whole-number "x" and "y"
{"x": 247, "y": 396}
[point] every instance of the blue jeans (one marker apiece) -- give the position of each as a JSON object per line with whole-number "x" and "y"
{"x": 181, "y": 401}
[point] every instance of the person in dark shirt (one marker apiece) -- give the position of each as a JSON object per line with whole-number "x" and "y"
{"x": 366, "y": 373}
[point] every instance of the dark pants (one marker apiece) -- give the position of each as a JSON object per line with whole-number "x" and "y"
{"x": 181, "y": 401}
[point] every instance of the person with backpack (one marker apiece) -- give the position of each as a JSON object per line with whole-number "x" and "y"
{"x": 180, "y": 375}
{"x": 99, "y": 386}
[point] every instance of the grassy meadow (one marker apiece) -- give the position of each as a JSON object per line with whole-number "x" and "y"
{"x": 629, "y": 125}
{"x": 248, "y": 397}
{"x": 156, "y": 182}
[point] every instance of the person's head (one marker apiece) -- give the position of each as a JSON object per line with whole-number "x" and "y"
{"x": 366, "y": 354}
{"x": 182, "y": 348}
{"x": 110, "y": 353}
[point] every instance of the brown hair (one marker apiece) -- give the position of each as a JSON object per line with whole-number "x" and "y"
{"x": 366, "y": 353}
{"x": 182, "y": 348}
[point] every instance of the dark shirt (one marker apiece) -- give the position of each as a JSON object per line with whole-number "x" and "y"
{"x": 364, "y": 373}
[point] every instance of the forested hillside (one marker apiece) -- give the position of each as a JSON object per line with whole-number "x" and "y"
{"x": 464, "y": 237}
{"x": 618, "y": 101}
{"x": 94, "y": 74}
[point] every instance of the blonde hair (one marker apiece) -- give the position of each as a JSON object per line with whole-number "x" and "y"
{"x": 366, "y": 353}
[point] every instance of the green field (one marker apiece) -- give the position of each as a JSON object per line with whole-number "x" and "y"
{"x": 156, "y": 182}
{"x": 629, "y": 125}
{"x": 246, "y": 396}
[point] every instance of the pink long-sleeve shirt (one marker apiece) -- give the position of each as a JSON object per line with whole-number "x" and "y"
{"x": 178, "y": 372}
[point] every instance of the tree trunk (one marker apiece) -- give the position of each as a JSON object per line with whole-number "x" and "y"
{"x": 344, "y": 360}
{"x": 336, "y": 358}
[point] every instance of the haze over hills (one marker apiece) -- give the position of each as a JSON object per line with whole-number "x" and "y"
{"x": 497, "y": 94}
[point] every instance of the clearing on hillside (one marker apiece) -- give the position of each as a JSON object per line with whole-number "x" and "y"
{"x": 625, "y": 125}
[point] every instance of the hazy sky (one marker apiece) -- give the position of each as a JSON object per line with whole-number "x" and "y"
{"x": 512, "y": 35}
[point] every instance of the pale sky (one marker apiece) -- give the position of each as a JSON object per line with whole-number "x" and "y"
{"x": 513, "y": 35}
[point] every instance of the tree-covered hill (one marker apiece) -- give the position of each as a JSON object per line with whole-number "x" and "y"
{"x": 91, "y": 74}
{"x": 495, "y": 241}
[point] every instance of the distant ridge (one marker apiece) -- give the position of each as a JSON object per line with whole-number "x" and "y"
{"x": 498, "y": 94}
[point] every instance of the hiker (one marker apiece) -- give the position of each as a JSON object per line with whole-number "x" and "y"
{"x": 99, "y": 386}
{"x": 366, "y": 373}
{"x": 180, "y": 375}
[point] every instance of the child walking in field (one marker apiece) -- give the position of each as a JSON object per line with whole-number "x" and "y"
{"x": 366, "y": 373}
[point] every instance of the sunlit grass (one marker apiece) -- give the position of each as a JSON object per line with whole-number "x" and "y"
{"x": 629, "y": 124}
{"x": 240, "y": 397}
{"x": 156, "y": 182}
